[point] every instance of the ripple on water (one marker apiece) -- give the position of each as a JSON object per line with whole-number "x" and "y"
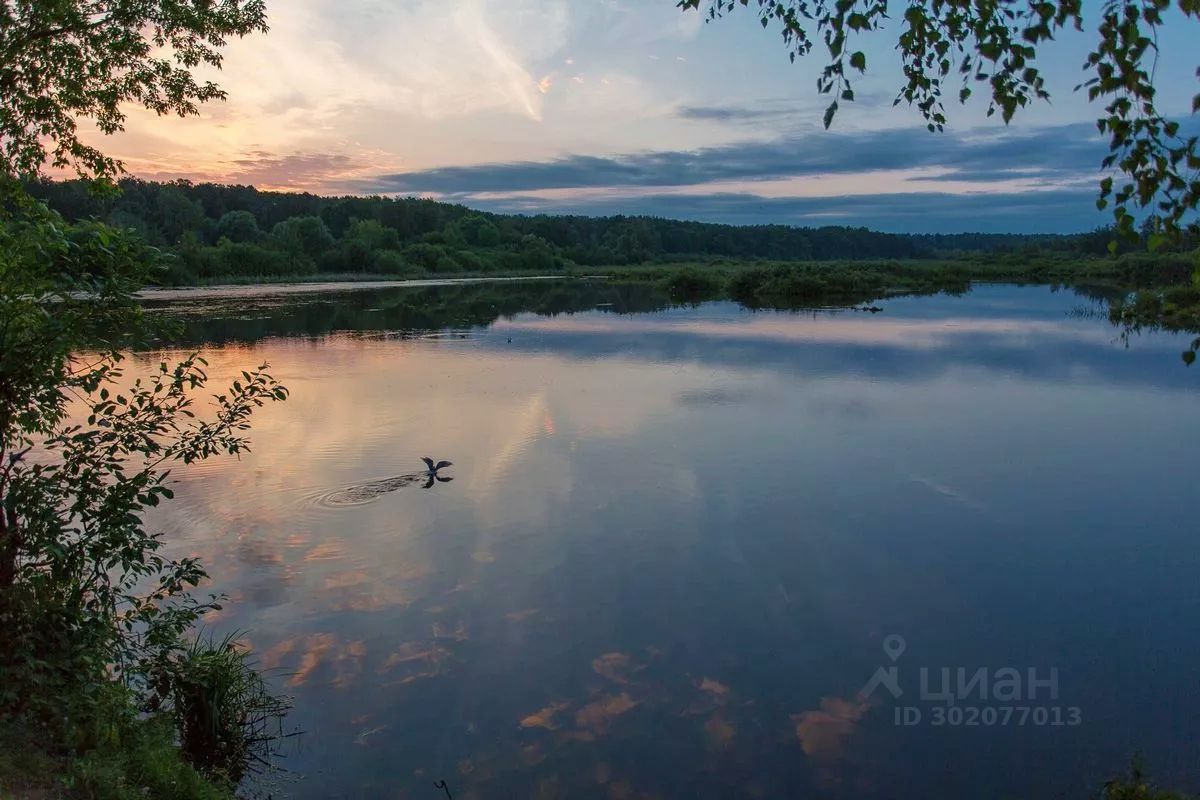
{"x": 363, "y": 493}
{"x": 450, "y": 335}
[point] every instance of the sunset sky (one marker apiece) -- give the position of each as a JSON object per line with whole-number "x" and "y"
{"x": 622, "y": 106}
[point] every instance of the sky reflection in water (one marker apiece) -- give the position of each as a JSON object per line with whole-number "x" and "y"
{"x": 675, "y": 542}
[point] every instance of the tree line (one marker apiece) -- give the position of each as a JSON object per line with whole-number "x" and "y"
{"x": 216, "y": 231}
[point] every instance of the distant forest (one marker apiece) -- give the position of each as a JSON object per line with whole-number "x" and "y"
{"x": 216, "y": 232}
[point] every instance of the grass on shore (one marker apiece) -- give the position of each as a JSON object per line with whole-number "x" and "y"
{"x": 130, "y": 759}
{"x": 204, "y": 719}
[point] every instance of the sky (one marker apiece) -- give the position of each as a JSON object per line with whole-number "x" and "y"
{"x": 625, "y": 107}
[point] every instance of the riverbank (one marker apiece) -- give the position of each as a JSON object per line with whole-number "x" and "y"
{"x": 1133, "y": 270}
{"x": 128, "y": 757}
{"x": 1143, "y": 290}
{"x": 323, "y": 283}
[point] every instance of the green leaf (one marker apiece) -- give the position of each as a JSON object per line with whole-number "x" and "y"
{"x": 859, "y": 61}
{"x": 1189, "y": 357}
{"x": 829, "y": 112}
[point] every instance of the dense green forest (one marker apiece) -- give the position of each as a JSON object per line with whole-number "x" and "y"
{"x": 218, "y": 232}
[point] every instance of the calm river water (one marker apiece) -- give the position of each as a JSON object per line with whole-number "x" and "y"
{"x": 681, "y": 542}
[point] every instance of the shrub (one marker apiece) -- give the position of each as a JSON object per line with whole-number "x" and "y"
{"x": 307, "y": 236}
{"x": 118, "y": 755}
{"x": 372, "y": 235}
{"x": 87, "y": 599}
{"x": 222, "y": 707}
{"x": 389, "y": 262}
{"x": 478, "y": 231}
{"x": 692, "y": 284}
{"x": 425, "y": 255}
{"x": 232, "y": 258}
{"x": 238, "y": 226}
{"x": 471, "y": 262}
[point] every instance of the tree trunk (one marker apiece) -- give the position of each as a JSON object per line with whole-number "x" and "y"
{"x": 10, "y": 543}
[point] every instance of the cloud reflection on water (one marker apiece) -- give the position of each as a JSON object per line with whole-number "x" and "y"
{"x": 680, "y": 524}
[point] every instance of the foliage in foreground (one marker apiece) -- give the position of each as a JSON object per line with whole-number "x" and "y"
{"x": 960, "y": 47}
{"x": 1136, "y": 786}
{"x": 67, "y": 59}
{"x": 117, "y": 754}
{"x": 89, "y": 602}
{"x": 225, "y": 714}
{"x": 93, "y": 614}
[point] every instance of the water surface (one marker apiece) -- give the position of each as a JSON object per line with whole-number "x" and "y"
{"x": 676, "y": 539}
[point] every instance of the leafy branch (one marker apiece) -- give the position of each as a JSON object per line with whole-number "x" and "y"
{"x": 996, "y": 43}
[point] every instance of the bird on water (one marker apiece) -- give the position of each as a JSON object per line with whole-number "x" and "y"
{"x": 433, "y": 468}
{"x": 431, "y": 474}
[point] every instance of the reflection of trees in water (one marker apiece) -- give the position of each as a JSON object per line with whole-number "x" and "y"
{"x": 406, "y": 310}
{"x": 1103, "y": 293}
{"x": 418, "y": 311}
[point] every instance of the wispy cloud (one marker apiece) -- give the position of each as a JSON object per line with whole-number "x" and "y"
{"x": 1049, "y": 153}
{"x": 503, "y": 74}
{"x": 373, "y": 82}
{"x": 298, "y": 171}
{"x": 737, "y": 114}
{"x": 1035, "y": 179}
{"x": 1055, "y": 211}
{"x": 565, "y": 105}
{"x": 770, "y": 110}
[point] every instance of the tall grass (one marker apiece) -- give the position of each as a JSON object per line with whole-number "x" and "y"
{"x": 117, "y": 754}
{"x": 229, "y": 720}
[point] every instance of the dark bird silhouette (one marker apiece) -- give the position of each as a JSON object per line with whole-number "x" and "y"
{"x": 366, "y": 492}
{"x": 433, "y": 468}
{"x": 432, "y": 474}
